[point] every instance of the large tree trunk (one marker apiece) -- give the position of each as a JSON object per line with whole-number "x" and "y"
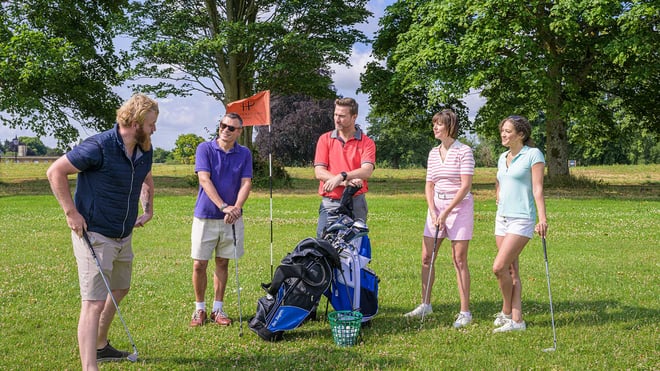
{"x": 556, "y": 157}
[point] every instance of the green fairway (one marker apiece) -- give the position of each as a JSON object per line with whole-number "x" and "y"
{"x": 603, "y": 251}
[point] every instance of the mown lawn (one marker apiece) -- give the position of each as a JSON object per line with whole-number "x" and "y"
{"x": 602, "y": 248}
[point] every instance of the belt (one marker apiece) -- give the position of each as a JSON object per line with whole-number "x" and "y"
{"x": 449, "y": 196}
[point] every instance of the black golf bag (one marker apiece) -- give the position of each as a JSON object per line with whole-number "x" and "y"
{"x": 298, "y": 284}
{"x": 354, "y": 285}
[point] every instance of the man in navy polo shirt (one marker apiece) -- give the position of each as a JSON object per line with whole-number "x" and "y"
{"x": 224, "y": 169}
{"x": 114, "y": 174}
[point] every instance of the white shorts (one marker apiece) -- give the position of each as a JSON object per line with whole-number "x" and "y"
{"x": 213, "y": 238}
{"x": 521, "y": 226}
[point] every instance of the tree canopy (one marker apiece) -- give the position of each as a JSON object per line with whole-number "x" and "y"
{"x": 298, "y": 121}
{"x": 58, "y": 66}
{"x": 233, "y": 49}
{"x": 571, "y": 62}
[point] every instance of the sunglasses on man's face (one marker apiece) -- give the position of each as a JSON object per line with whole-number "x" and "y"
{"x": 225, "y": 126}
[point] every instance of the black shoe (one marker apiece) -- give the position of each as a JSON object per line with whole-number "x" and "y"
{"x": 108, "y": 353}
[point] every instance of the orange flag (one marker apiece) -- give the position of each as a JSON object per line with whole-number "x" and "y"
{"x": 254, "y": 110}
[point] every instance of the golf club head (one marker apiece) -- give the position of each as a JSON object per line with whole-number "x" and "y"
{"x": 549, "y": 349}
{"x": 360, "y": 225}
{"x": 133, "y": 357}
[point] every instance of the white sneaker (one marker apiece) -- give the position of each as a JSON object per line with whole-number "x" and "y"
{"x": 511, "y": 325}
{"x": 500, "y": 319}
{"x": 462, "y": 320}
{"x": 422, "y": 309}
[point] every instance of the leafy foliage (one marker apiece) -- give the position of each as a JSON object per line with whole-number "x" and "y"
{"x": 35, "y": 147}
{"x": 297, "y": 123}
{"x": 566, "y": 61}
{"x": 58, "y": 65}
{"x": 185, "y": 148}
{"x": 232, "y": 49}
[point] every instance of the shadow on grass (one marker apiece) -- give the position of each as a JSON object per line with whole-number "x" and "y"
{"x": 535, "y": 313}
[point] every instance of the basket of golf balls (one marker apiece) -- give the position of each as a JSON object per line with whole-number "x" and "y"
{"x": 345, "y": 326}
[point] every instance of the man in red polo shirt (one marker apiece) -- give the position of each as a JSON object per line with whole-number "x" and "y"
{"x": 344, "y": 156}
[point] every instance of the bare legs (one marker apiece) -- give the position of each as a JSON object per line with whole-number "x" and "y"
{"x": 93, "y": 326}
{"x": 200, "y": 280}
{"x": 506, "y": 270}
{"x": 220, "y": 278}
{"x": 459, "y": 250}
{"x": 459, "y": 257}
{"x": 427, "y": 269}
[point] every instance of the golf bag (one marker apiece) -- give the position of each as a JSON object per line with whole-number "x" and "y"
{"x": 298, "y": 284}
{"x": 354, "y": 285}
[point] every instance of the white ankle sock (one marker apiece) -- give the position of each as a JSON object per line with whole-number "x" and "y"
{"x": 217, "y": 305}
{"x": 200, "y": 305}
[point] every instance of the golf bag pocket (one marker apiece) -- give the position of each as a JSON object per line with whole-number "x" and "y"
{"x": 355, "y": 286}
{"x": 298, "y": 284}
{"x": 368, "y": 293}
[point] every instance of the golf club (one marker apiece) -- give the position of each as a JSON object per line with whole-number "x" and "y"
{"x": 552, "y": 313}
{"x": 428, "y": 281}
{"x": 131, "y": 357}
{"x": 238, "y": 285}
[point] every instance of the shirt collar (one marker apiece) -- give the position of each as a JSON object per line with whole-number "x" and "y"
{"x": 356, "y": 136}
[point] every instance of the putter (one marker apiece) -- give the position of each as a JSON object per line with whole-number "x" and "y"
{"x": 238, "y": 286}
{"x": 131, "y": 357}
{"x": 428, "y": 281}
{"x": 552, "y": 313}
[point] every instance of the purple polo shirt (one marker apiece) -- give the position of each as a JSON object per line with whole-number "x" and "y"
{"x": 227, "y": 169}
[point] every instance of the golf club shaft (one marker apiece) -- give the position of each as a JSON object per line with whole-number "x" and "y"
{"x": 547, "y": 274}
{"x": 107, "y": 285}
{"x": 238, "y": 286}
{"x": 428, "y": 280}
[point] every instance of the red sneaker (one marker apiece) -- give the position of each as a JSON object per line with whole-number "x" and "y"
{"x": 198, "y": 318}
{"x": 220, "y": 318}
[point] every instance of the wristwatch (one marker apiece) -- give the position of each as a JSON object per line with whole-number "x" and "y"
{"x": 223, "y": 206}
{"x": 343, "y": 175}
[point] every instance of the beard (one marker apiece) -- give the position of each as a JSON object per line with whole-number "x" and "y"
{"x": 143, "y": 139}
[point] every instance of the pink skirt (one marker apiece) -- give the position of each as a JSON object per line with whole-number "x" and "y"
{"x": 460, "y": 221}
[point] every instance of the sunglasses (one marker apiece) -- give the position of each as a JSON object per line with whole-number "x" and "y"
{"x": 225, "y": 126}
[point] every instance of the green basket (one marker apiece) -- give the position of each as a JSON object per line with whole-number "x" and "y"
{"x": 345, "y": 326}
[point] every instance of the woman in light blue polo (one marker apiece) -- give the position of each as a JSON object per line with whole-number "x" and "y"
{"x": 519, "y": 189}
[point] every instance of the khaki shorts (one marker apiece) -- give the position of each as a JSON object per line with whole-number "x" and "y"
{"x": 115, "y": 256}
{"x": 213, "y": 238}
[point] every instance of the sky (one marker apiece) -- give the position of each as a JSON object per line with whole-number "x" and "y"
{"x": 196, "y": 113}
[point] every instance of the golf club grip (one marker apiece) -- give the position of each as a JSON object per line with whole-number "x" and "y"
{"x": 89, "y": 244}
{"x": 545, "y": 250}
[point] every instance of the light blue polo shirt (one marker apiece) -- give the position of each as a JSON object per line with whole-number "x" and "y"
{"x": 516, "y": 199}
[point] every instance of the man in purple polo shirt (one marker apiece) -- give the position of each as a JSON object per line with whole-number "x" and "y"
{"x": 224, "y": 169}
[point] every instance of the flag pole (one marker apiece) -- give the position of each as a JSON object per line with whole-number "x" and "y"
{"x": 270, "y": 181}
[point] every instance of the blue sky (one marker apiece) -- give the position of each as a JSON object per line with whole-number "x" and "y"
{"x": 195, "y": 113}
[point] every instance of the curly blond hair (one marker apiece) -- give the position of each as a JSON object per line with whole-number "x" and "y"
{"x": 134, "y": 109}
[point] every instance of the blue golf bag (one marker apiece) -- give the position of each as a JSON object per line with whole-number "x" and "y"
{"x": 296, "y": 289}
{"x": 354, "y": 285}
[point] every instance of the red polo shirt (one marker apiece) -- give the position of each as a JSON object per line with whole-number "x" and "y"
{"x": 337, "y": 156}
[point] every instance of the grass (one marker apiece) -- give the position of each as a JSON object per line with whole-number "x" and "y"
{"x": 602, "y": 248}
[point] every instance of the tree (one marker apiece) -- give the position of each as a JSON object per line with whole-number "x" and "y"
{"x": 185, "y": 147}
{"x": 162, "y": 155}
{"x": 232, "y": 49}
{"x": 297, "y": 123}
{"x": 401, "y": 113}
{"x": 562, "y": 59}
{"x": 58, "y": 65}
{"x": 35, "y": 147}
